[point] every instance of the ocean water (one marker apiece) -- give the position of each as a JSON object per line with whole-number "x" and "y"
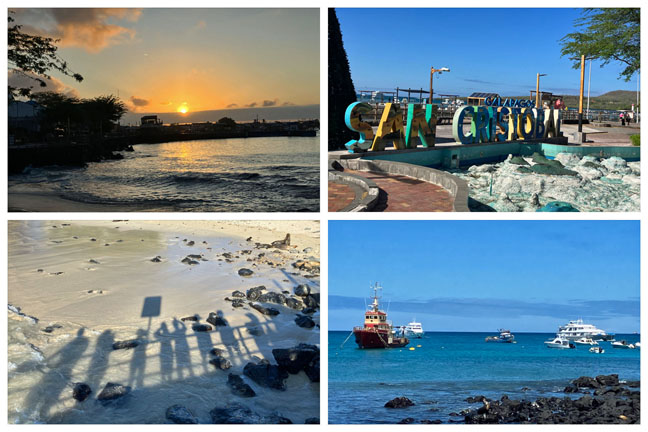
{"x": 449, "y": 367}
{"x": 227, "y": 175}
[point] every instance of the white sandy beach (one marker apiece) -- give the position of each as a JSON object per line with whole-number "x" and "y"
{"x": 96, "y": 291}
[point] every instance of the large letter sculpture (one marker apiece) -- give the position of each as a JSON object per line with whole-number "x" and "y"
{"x": 479, "y": 127}
{"x": 457, "y": 125}
{"x": 354, "y": 122}
{"x": 390, "y": 128}
{"x": 526, "y": 124}
{"x": 540, "y": 126}
{"x": 421, "y": 125}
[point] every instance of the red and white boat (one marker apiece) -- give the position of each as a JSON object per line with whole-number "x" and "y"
{"x": 377, "y": 332}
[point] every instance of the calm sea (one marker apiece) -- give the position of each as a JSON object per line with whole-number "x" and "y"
{"x": 226, "y": 175}
{"x": 448, "y": 367}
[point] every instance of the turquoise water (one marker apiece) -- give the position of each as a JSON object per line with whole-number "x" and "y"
{"x": 449, "y": 367}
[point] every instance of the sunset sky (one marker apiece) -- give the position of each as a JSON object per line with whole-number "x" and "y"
{"x": 175, "y": 60}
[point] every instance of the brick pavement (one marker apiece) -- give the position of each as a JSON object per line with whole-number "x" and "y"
{"x": 406, "y": 194}
{"x": 340, "y": 195}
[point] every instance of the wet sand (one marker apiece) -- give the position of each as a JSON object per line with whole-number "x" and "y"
{"x": 108, "y": 289}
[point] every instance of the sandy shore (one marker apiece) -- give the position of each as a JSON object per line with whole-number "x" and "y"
{"x": 97, "y": 281}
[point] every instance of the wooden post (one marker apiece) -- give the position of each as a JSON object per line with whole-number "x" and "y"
{"x": 580, "y": 102}
{"x": 431, "y": 77}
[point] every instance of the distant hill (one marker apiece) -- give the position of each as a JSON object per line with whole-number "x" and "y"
{"x": 614, "y": 100}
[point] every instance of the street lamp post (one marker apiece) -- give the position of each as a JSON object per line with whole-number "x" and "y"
{"x": 580, "y": 102}
{"x": 538, "y": 89}
{"x": 432, "y": 72}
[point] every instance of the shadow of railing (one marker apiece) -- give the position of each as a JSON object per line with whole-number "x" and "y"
{"x": 169, "y": 353}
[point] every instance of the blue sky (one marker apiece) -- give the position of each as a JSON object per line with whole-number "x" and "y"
{"x": 488, "y": 50}
{"x": 482, "y": 275}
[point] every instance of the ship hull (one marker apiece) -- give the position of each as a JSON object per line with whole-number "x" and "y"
{"x": 371, "y": 339}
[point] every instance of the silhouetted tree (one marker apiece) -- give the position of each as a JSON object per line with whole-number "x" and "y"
{"x": 609, "y": 34}
{"x": 33, "y": 57}
{"x": 227, "y": 121}
{"x": 96, "y": 115}
{"x": 341, "y": 92}
{"x": 103, "y": 112}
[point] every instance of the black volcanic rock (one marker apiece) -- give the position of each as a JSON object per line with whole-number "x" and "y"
{"x": 180, "y": 415}
{"x": 81, "y": 391}
{"x": 264, "y": 310}
{"x": 113, "y": 391}
{"x": 266, "y": 375}
{"x": 216, "y": 320}
{"x": 399, "y": 402}
{"x": 125, "y": 344}
{"x": 239, "y": 387}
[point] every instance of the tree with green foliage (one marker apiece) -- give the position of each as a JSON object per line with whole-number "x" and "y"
{"x": 33, "y": 57}
{"x": 341, "y": 92}
{"x": 608, "y": 34}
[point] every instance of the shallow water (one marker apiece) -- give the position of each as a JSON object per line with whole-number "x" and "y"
{"x": 449, "y": 367}
{"x": 171, "y": 364}
{"x": 228, "y": 175}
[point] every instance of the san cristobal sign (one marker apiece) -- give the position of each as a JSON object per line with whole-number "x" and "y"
{"x": 496, "y": 121}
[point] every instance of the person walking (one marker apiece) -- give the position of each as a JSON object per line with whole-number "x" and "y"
{"x": 622, "y": 118}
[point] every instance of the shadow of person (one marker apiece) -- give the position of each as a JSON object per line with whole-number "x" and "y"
{"x": 205, "y": 344}
{"x": 46, "y": 393}
{"x": 227, "y": 337}
{"x": 100, "y": 359}
{"x": 163, "y": 337}
{"x": 181, "y": 349}
{"x": 138, "y": 361}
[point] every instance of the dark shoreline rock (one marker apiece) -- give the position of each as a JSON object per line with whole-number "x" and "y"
{"x": 610, "y": 403}
{"x": 399, "y": 402}
{"x": 127, "y": 344}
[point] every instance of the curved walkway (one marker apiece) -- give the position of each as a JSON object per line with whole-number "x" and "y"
{"x": 400, "y": 193}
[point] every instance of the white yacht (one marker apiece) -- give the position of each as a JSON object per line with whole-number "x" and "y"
{"x": 577, "y": 329}
{"x": 623, "y": 345}
{"x": 585, "y": 341}
{"x": 560, "y": 343}
{"x": 414, "y": 330}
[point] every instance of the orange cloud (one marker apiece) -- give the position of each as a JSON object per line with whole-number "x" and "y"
{"x": 87, "y": 28}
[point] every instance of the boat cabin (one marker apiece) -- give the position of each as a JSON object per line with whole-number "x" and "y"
{"x": 376, "y": 319}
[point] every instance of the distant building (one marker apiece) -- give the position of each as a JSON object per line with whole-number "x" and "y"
{"x": 24, "y": 115}
{"x": 150, "y": 120}
{"x": 479, "y": 98}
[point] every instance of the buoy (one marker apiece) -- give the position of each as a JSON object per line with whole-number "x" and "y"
{"x": 418, "y": 346}
{"x": 412, "y": 348}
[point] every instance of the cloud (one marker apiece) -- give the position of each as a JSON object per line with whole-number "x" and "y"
{"x": 139, "y": 102}
{"x": 92, "y": 29}
{"x": 232, "y": 105}
{"x": 23, "y": 80}
{"x": 288, "y": 104}
{"x": 269, "y": 103}
{"x": 167, "y": 103}
{"x": 250, "y": 105}
{"x": 494, "y": 307}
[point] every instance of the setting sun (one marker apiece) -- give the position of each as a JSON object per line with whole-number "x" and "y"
{"x": 183, "y": 109}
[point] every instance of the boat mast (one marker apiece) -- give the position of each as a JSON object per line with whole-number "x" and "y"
{"x": 374, "y": 304}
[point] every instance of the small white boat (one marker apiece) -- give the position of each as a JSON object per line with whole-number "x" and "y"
{"x": 623, "y": 345}
{"x": 597, "y": 350}
{"x": 559, "y": 342}
{"x": 585, "y": 341}
{"x": 505, "y": 336}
